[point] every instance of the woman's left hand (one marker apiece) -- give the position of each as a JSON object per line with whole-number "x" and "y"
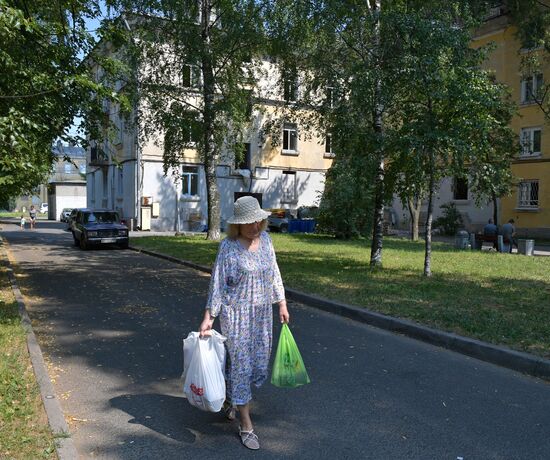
{"x": 283, "y": 312}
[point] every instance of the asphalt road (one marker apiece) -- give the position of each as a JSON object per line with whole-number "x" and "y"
{"x": 111, "y": 323}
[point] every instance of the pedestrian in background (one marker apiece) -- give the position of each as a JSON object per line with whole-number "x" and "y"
{"x": 490, "y": 231}
{"x": 245, "y": 284}
{"x": 508, "y": 231}
{"x": 490, "y": 228}
{"x": 22, "y": 222}
{"x": 32, "y": 215}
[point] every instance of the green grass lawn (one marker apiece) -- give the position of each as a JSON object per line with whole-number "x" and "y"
{"x": 19, "y": 214}
{"x": 24, "y": 430}
{"x": 499, "y": 298}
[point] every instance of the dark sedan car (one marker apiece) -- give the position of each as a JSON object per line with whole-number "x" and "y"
{"x": 93, "y": 227}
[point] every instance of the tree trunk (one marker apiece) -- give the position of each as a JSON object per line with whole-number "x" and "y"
{"x": 414, "y": 204}
{"x": 495, "y": 208}
{"x": 428, "y": 249}
{"x": 377, "y": 119}
{"x": 209, "y": 115}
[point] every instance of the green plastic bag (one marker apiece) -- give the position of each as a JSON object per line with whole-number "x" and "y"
{"x": 288, "y": 369}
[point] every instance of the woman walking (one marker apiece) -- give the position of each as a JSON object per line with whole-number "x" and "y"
{"x": 245, "y": 284}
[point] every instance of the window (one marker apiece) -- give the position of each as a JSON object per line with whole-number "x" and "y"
{"x": 530, "y": 139}
{"x": 290, "y": 86}
{"x": 192, "y": 129}
{"x": 530, "y": 87}
{"x": 290, "y": 138}
{"x": 190, "y": 76}
{"x": 82, "y": 168}
{"x": 460, "y": 189}
{"x": 528, "y": 194}
{"x": 289, "y": 187}
{"x": 120, "y": 182}
{"x": 104, "y": 182}
{"x": 68, "y": 168}
{"x": 119, "y": 127}
{"x": 328, "y": 145}
{"x": 91, "y": 178}
{"x": 190, "y": 180}
{"x": 243, "y": 161}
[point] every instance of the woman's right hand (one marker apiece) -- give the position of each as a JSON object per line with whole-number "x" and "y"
{"x": 206, "y": 327}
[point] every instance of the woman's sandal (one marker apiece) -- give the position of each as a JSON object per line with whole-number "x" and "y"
{"x": 230, "y": 411}
{"x": 249, "y": 439}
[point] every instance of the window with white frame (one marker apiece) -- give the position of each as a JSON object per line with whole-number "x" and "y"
{"x": 328, "y": 145}
{"x": 190, "y": 76}
{"x": 190, "y": 180}
{"x": 68, "y": 168}
{"x": 192, "y": 128}
{"x": 528, "y": 194}
{"x": 530, "y": 87}
{"x": 82, "y": 168}
{"x": 290, "y": 138}
{"x": 530, "y": 139}
{"x": 290, "y": 86}
{"x": 288, "y": 187}
{"x": 243, "y": 160}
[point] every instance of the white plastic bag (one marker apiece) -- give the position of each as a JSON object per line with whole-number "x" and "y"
{"x": 203, "y": 369}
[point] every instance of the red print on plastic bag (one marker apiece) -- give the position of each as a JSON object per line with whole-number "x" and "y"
{"x": 196, "y": 390}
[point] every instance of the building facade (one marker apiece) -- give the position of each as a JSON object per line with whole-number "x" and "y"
{"x": 128, "y": 176}
{"x": 529, "y": 204}
{"x": 66, "y": 186}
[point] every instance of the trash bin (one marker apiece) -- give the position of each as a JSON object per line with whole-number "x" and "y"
{"x": 462, "y": 239}
{"x": 309, "y": 225}
{"x": 526, "y": 247}
{"x": 293, "y": 225}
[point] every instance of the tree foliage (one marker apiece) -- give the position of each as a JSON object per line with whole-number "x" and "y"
{"x": 44, "y": 85}
{"x": 413, "y": 98}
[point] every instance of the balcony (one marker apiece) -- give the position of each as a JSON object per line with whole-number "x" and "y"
{"x": 98, "y": 156}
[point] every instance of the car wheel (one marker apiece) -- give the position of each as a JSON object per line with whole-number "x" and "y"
{"x": 83, "y": 244}
{"x": 283, "y": 228}
{"x": 123, "y": 245}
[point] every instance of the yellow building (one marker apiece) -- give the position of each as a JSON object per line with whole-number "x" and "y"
{"x": 529, "y": 204}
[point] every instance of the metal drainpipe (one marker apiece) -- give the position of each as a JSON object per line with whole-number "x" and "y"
{"x": 138, "y": 188}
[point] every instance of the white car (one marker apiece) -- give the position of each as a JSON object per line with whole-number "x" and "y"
{"x": 43, "y": 208}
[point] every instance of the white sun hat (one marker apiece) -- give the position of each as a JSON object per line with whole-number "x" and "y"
{"x": 246, "y": 210}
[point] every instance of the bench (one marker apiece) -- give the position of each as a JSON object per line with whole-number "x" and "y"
{"x": 481, "y": 238}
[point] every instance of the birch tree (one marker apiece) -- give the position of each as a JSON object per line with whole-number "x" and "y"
{"x": 347, "y": 55}
{"x": 453, "y": 111}
{"x": 198, "y": 79}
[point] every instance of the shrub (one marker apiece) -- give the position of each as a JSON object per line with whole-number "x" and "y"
{"x": 346, "y": 208}
{"x": 450, "y": 221}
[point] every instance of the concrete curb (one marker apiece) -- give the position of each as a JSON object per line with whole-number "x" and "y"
{"x": 502, "y": 356}
{"x": 65, "y": 446}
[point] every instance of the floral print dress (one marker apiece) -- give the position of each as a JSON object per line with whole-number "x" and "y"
{"x": 243, "y": 287}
